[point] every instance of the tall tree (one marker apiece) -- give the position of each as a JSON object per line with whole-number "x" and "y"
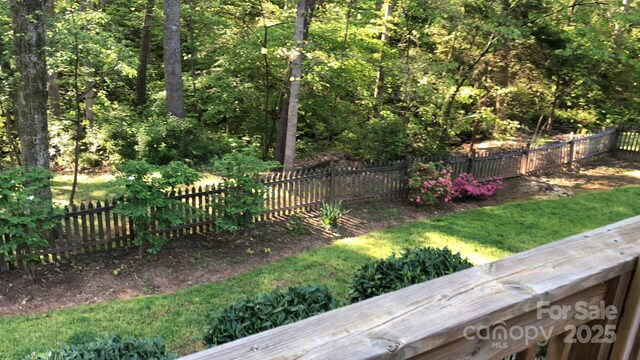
{"x": 283, "y": 105}
{"x": 173, "y": 59}
{"x": 294, "y": 95}
{"x": 145, "y": 47}
{"x": 31, "y": 90}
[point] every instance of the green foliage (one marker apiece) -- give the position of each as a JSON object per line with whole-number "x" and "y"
{"x": 108, "y": 348}
{"x": 411, "y": 267}
{"x": 163, "y": 139}
{"x": 24, "y": 215}
{"x": 244, "y": 195}
{"x": 383, "y": 138}
{"x": 180, "y": 317}
{"x": 331, "y": 213}
{"x": 267, "y": 311}
{"x": 145, "y": 198}
{"x": 296, "y": 225}
{"x": 429, "y": 183}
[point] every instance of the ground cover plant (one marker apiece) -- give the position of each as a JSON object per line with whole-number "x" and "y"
{"x": 267, "y": 311}
{"x": 411, "y": 266}
{"x": 113, "y": 347}
{"x": 482, "y": 235}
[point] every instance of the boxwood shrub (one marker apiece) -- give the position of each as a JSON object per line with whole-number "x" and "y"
{"x": 267, "y": 311}
{"x": 108, "y": 348}
{"x": 412, "y": 266}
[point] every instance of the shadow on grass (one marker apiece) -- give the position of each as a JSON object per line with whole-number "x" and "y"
{"x": 482, "y": 235}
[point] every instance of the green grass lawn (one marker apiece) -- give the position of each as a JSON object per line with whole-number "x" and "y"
{"x": 94, "y": 187}
{"x": 483, "y": 235}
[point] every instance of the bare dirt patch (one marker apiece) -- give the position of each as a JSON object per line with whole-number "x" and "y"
{"x": 197, "y": 259}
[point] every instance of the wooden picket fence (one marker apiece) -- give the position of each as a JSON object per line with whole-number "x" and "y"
{"x": 96, "y": 227}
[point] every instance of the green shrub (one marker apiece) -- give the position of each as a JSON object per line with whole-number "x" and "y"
{"x": 429, "y": 183}
{"x": 145, "y": 200}
{"x": 331, "y": 214}
{"x": 244, "y": 195}
{"x": 413, "y": 266}
{"x": 108, "y": 348}
{"x": 25, "y": 216}
{"x": 164, "y": 139}
{"x": 382, "y": 138}
{"x": 267, "y": 311}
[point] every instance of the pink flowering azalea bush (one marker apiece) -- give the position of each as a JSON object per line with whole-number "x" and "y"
{"x": 467, "y": 186}
{"x": 428, "y": 184}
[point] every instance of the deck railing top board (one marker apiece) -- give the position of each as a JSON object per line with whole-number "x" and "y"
{"x": 418, "y": 319}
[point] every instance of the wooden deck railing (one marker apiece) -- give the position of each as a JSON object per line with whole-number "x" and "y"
{"x": 492, "y": 311}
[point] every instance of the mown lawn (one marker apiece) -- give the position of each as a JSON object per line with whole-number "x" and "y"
{"x": 483, "y": 235}
{"x": 94, "y": 187}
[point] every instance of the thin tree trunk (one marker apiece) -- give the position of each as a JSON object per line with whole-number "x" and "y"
{"x": 31, "y": 91}
{"x": 145, "y": 48}
{"x": 503, "y": 76}
{"x": 52, "y": 77}
{"x": 380, "y": 87}
{"x": 78, "y": 122}
{"x": 266, "y": 141}
{"x": 191, "y": 33}
{"x": 282, "y": 110}
{"x": 294, "y": 95}
{"x": 173, "y": 59}
{"x": 88, "y": 98}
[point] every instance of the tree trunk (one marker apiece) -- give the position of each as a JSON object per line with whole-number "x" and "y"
{"x": 145, "y": 47}
{"x": 380, "y": 88}
{"x": 173, "y": 59}
{"x": 191, "y": 38}
{"x": 502, "y": 76}
{"x": 294, "y": 94}
{"x": 31, "y": 90}
{"x": 282, "y": 110}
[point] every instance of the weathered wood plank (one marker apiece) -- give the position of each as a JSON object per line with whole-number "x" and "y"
{"x": 559, "y": 348}
{"x": 628, "y": 331}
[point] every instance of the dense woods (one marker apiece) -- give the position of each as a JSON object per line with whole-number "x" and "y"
{"x": 190, "y": 80}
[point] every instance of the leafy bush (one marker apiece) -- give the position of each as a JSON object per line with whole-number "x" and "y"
{"x": 466, "y": 186}
{"x": 382, "y": 138}
{"x": 428, "y": 184}
{"x": 145, "y": 200}
{"x": 164, "y": 139}
{"x": 108, "y": 348}
{"x": 413, "y": 266}
{"x": 331, "y": 214}
{"x": 244, "y": 195}
{"x": 268, "y": 311}
{"x": 24, "y": 215}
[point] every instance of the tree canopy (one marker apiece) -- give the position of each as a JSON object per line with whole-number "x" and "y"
{"x": 380, "y": 78}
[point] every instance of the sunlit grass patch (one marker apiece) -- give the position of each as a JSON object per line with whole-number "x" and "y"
{"x": 483, "y": 235}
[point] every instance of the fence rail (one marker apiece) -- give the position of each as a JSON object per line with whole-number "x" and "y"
{"x": 492, "y": 311}
{"x": 96, "y": 227}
